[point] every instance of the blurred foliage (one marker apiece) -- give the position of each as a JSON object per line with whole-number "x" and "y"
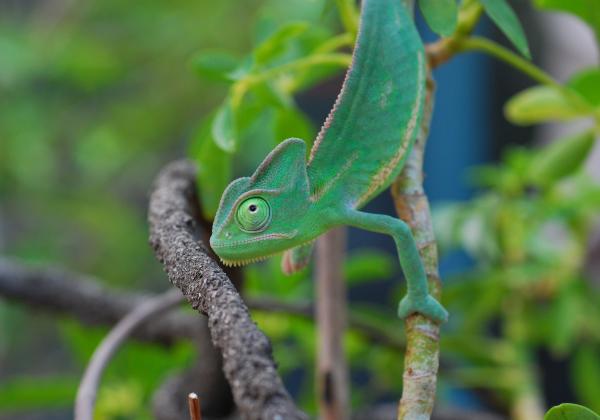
{"x": 95, "y": 96}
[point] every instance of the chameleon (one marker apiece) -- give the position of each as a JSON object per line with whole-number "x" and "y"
{"x": 294, "y": 196}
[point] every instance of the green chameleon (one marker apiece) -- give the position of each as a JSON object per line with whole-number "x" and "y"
{"x": 288, "y": 202}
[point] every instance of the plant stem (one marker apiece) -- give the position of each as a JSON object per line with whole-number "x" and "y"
{"x": 476, "y": 43}
{"x": 333, "y": 44}
{"x": 421, "y": 360}
{"x": 242, "y": 86}
{"x": 332, "y": 372}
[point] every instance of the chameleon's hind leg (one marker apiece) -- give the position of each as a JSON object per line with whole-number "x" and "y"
{"x": 417, "y": 298}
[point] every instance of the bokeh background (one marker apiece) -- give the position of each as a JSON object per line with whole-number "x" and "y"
{"x": 97, "y": 96}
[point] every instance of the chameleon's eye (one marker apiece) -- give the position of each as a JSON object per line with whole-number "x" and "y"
{"x": 253, "y": 214}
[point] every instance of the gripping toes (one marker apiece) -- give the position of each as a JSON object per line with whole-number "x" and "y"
{"x": 425, "y": 305}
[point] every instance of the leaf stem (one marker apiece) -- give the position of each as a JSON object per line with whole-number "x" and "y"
{"x": 342, "y": 40}
{"x": 476, "y": 43}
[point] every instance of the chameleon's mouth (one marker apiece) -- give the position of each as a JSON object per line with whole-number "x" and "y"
{"x": 231, "y": 253}
{"x": 239, "y": 263}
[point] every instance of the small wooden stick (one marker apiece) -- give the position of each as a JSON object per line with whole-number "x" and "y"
{"x": 194, "y": 406}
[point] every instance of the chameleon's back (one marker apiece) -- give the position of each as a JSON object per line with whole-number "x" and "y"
{"x": 359, "y": 152}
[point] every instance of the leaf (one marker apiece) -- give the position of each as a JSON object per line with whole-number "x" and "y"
{"x": 441, "y": 15}
{"x": 541, "y": 103}
{"x": 271, "y": 95}
{"x": 275, "y": 44}
{"x": 215, "y": 65}
{"x": 214, "y": 168}
{"x": 564, "y": 322}
{"x": 506, "y": 19}
{"x": 587, "y": 10}
{"x": 291, "y": 122}
{"x": 570, "y": 412}
{"x": 585, "y": 375}
{"x": 587, "y": 84}
{"x": 561, "y": 158}
{"x": 223, "y": 128}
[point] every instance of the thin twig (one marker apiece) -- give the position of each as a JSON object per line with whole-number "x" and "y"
{"x": 194, "y": 406}
{"x": 332, "y": 371}
{"x": 88, "y": 388}
{"x": 373, "y": 333}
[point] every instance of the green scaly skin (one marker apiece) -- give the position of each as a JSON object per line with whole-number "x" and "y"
{"x": 288, "y": 202}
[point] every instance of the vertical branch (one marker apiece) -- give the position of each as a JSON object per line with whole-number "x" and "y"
{"x": 332, "y": 375}
{"x": 422, "y": 347}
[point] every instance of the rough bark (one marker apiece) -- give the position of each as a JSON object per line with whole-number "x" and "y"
{"x": 247, "y": 356}
{"x": 421, "y": 360}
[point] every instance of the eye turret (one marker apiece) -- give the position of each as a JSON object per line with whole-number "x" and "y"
{"x": 253, "y": 214}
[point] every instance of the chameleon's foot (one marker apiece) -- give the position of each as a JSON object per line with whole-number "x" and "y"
{"x": 425, "y": 305}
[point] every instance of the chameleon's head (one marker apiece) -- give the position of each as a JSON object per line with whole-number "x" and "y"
{"x": 261, "y": 215}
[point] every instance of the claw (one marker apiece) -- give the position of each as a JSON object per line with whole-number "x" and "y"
{"x": 426, "y": 306}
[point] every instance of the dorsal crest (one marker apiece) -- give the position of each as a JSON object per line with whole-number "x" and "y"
{"x": 284, "y": 167}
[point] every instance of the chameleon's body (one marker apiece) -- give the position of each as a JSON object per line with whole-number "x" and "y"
{"x": 361, "y": 148}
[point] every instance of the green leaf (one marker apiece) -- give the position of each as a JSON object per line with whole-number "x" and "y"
{"x": 215, "y": 65}
{"x": 563, "y": 321}
{"x": 223, "y": 128}
{"x": 541, "y": 103}
{"x": 214, "y": 168}
{"x": 585, "y": 375}
{"x": 561, "y": 158}
{"x": 570, "y": 412}
{"x": 587, "y": 84}
{"x": 506, "y": 19}
{"x": 587, "y": 10}
{"x": 275, "y": 44}
{"x": 271, "y": 95}
{"x": 441, "y": 15}
{"x": 291, "y": 122}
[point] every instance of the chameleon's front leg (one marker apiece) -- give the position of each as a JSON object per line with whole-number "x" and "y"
{"x": 417, "y": 298}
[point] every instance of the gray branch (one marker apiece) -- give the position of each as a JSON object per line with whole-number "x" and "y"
{"x": 247, "y": 356}
{"x": 64, "y": 292}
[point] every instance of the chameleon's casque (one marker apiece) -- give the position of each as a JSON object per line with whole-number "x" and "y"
{"x": 361, "y": 148}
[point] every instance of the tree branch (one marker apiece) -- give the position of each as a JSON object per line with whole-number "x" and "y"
{"x": 247, "y": 357}
{"x": 421, "y": 360}
{"x": 83, "y": 297}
